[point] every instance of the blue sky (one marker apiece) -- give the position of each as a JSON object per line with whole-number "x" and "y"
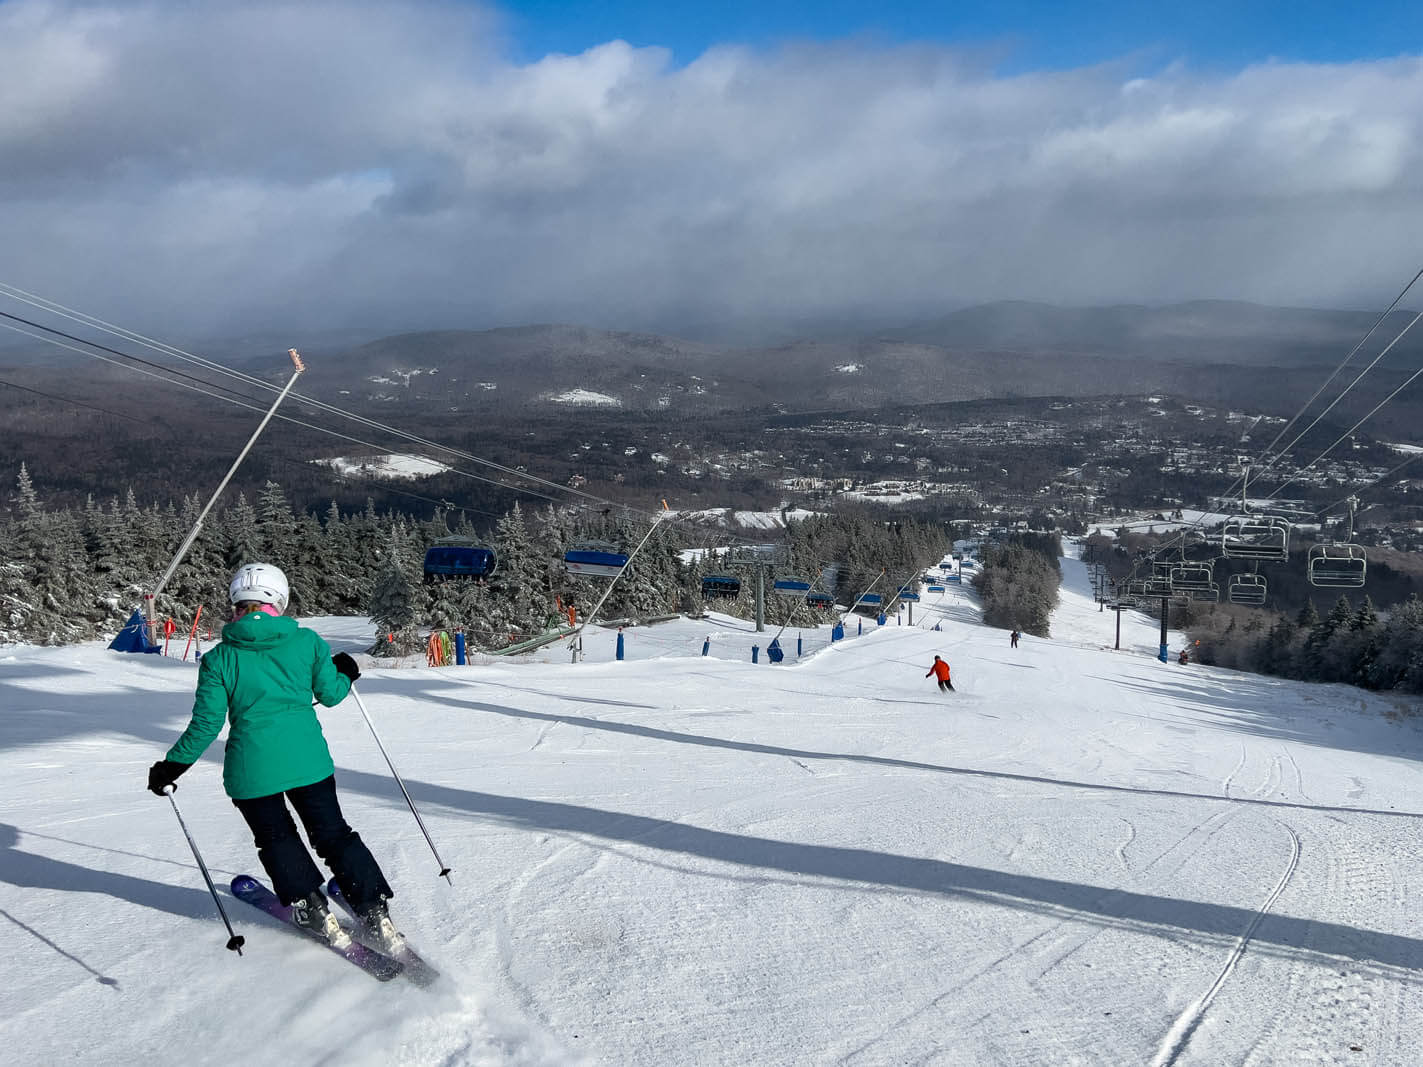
{"x": 1018, "y": 34}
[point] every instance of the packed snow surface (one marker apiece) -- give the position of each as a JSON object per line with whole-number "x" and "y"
{"x": 586, "y": 398}
{"x": 1080, "y": 856}
{"x": 392, "y": 465}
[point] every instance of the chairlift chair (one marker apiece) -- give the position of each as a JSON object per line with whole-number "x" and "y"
{"x": 721, "y": 586}
{"x": 820, "y": 600}
{"x": 1257, "y": 537}
{"x": 790, "y": 586}
{"x": 595, "y": 559}
{"x": 1248, "y": 589}
{"x": 1159, "y": 584}
{"x": 1342, "y": 566}
{"x": 456, "y": 558}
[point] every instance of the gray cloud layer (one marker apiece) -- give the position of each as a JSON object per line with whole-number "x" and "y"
{"x": 210, "y": 165}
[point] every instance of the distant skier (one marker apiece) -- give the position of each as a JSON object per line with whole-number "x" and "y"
{"x": 262, "y": 678}
{"x": 1184, "y": 658}
{"x": 940, "y": 670}
{"x": 1013, "y": 639}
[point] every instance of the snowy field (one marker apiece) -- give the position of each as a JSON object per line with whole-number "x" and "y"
{"x": 1081, "y": 857}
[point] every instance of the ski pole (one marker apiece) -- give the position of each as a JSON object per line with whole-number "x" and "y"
{"x": 235, "y": 941}
{"x": 444, "y": 870}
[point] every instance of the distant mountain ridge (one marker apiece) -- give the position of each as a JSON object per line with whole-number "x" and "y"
{"x": 1210, "y": 350}
{"x": 1205, "y": 331}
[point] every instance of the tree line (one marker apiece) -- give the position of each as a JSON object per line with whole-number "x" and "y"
{"x": 77, "y": 574}
{"x": 1018, "y": 580}
{"x": 1352, "y": 645}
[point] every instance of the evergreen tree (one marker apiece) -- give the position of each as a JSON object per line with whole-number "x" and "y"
{"x": 395, "y": 601}
{"x": 520, "y": 582}
{"x": 244, "y": 545}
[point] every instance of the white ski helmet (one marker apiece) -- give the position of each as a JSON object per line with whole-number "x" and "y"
{"x": 261, "y": 582}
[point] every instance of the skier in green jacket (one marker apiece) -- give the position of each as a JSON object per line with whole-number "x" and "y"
{"x": 261, "y": 679}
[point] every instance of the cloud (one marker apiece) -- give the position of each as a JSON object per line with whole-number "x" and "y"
{"x": 213, "y": 166}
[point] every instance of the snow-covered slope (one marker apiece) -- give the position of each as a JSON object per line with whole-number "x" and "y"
{"x": 1082, "y": 856}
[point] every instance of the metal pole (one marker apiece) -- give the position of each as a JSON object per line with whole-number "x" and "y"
{"x": 576, "y": 643}
{"x": 760, "y": 597}
{"x": 235, "y": 941}
{"x": 444, "y": 870}
{"x": 1165, "y": 614}
{"x": 1119, "y": 626}
{"x": 151, "y": 600}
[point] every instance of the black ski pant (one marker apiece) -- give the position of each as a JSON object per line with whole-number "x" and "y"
{"x": 294, "y": 875}
{"x": 945, "y": 686}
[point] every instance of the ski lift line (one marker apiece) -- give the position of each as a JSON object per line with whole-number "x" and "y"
{"x": 169, "y": 374}
{"x": 301, "y": 397}
{"x": 74, "y": 315}
{"x": 115, "y": 352}
{"x": 1349, "y": 432}
{"x": 1265, "y": 453}
{"x": 1368, "y": 485}
{"x": 1337, "y": 370}
{"x": 56, "y": 308}
{"x": 255, "y": 407}
{"x": 1341, "y": 396}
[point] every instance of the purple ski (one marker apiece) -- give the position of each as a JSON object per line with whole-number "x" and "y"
{"x": 416, "y": 969}
{"x": 376, "y": 964}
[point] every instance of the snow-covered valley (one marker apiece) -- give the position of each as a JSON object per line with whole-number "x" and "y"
{"x": 1081, "y": 856}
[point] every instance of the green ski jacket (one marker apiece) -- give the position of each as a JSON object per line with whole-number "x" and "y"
{"x": 261, "y": 678}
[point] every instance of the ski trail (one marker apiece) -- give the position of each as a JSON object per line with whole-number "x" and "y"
{"x": 1122, "y": 848}
{"x": 1179, "y": 1036}
{"x": 1225, "y": 785}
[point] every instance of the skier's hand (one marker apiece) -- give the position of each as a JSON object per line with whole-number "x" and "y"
{"x": 163, "y": 774}
{"x": 346, "y": 665}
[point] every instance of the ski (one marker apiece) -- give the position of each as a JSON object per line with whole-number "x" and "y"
{"x": 378, "y": 965}
{"x": 416, "y": 969}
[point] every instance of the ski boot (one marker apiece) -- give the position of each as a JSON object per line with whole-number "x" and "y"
{"x": 382, "y": 931}
{"x": 311, "y": 914}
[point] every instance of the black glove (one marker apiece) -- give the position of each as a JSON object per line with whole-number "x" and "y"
{"x": 346, "y": 665}
{"x": 163, "y": 774}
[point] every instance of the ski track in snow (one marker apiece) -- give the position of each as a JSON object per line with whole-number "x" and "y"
{"x": 678, "y": 859}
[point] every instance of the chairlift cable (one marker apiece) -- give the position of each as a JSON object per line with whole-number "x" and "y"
{"x": 1340, "y": 397}
{"x": 1349, "y": 432}
{"x": 170, "y": 375}
{"x": 1337, "y": 370}
{"x": 1265, "y": 453}
{"x": 70, "y": 313}
{"x": 251, "y": 407}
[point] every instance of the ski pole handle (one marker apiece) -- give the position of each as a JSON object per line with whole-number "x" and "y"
{"x": 235, "y": 941}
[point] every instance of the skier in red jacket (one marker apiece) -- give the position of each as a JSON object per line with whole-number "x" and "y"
{"x": 940, "y": 670}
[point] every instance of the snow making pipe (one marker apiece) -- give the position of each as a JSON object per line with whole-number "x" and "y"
{"x": 235, "y": 941}
{"x": 578, "y": 634}
{"x": 444, "y": 870}
{"x": 150, "y": 602}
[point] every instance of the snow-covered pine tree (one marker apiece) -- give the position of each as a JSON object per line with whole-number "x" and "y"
{"x": 244, "y": 544}
{"x": 519, "y": 586}
{"x": 394, "y": 604}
